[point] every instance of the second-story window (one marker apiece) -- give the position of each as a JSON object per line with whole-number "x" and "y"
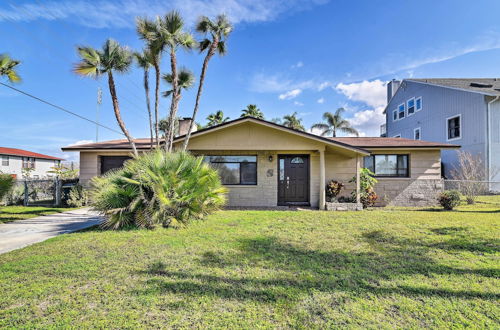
{"x": 418, "y": 103}
{"x": 395, "y": 115}
{"x": 416, "y": 134}
{"x": 5, "y": 160}
{"x": 401, "y": 111}
{"x": 454, "y": 128}
{"x": 411, "y": 106}
{"x": 28, "y": 162}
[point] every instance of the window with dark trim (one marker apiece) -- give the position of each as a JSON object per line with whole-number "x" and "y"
{"x": 28, "y": 162}
{"x": 5, "y": 160}
{"x": 454, "y": 128}
{"x": 388, "y": 165}
{"x": 235, "y": 170}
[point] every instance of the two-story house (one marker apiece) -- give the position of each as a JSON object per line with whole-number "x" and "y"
{"x": 459, "y": 111}
{"x": 12, "y": 161}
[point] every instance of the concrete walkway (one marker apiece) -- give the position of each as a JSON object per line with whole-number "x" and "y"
{"x": 20, "y": 233}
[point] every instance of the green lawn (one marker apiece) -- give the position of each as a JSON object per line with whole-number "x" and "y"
{"x": 247, "y": 269}
{"x": 11, "y": 213}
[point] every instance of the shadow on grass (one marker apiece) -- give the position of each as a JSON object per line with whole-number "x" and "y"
{"x": 298, "y": 271}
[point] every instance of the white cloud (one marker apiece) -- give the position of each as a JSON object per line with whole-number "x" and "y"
{"x": 121, "y": 13}
{"x": 321, "y": 100}
{"x": 324, "y": 85}
{"x": 297, "y": 103}
{"x": 372, "y": 93}
{"x": 290, "y": 94}
{"x": 82, "y": 142}
{"x": 297, "y": 65}
{"x": 277, "y": 83}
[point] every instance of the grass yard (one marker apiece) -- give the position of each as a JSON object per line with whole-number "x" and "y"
{"x": 248, "y": 269}
{"x": 11, "y": 213}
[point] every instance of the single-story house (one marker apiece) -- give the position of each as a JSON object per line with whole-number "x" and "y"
{"x": 265, "y": 164}
{"x": 13, "y": 161}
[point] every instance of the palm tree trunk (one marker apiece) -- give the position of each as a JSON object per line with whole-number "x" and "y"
{"x": 157, "y": 100}
{"x": 116, "y": 108}
{"x": 148, "y": 104}
{"x": 210, "y": 53}
{"x": 175, "y": 100}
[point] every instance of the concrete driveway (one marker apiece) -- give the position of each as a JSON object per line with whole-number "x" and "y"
{"x": 17, "y": 234}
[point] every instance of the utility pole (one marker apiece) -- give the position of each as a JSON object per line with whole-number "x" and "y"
{"x": 99, "y": 102}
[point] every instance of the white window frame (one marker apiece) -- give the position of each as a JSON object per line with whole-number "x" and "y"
{"x": 459, "y": 125}
{"x": 6, "y": 159}
{"x": 421, "y": 104}
{"x": 404, "y": 110}
{"x": 397, "y": 115}
{"x": 419, "y": 133}
{"x": 408, "y": 107}
{"x": 397, "y": 136}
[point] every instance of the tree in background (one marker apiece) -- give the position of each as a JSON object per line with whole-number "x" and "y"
{"x": 164, "y": 126}
{"x": 218, "y": 30}
{"x": 112, "y": 58}
{"x": 185, "y": 80}
{"x": 8, "y": 68}
{"x": 252, "y": 111}
{"x": 145, "y": 60}
{"x": 471, "y": 173}
{"x": 334, "y": 123}
{"x": 64, "y": 172}
{"x": 216, "y": 118}
{"x": 292, "y": 121}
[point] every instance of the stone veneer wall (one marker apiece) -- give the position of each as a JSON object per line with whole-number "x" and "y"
{"x": 408, "y": 192}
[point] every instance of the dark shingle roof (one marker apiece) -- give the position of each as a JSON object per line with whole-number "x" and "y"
{"x": 490, "y": 86}
{"x": 386, "y": 142}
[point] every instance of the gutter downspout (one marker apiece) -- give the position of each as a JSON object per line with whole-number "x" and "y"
{"x": 488, "y": 136}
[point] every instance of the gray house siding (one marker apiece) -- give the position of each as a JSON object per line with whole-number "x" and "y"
{"x": 495, "y": 144}
{"x": 438, "y": 104}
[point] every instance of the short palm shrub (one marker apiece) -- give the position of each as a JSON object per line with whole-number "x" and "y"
{"x": 449, "y": 199}
{"x": 171, "y": 189}
{"x": 6, "y": 184}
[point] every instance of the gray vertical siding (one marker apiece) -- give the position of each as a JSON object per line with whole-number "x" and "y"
{"x": 495, "y": 143}
{"x": 438, "y": 104}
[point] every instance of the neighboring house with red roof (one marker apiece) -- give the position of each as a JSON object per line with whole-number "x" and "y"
{"x": 264, "y": 164}
{"x": 12, "y": 161}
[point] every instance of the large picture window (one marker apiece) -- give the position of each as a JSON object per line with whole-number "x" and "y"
{"x": 235, "y": 170}
{"x": 388, "y": 165}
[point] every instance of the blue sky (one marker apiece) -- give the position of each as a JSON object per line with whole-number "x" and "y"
{"x": 285, "y": 56}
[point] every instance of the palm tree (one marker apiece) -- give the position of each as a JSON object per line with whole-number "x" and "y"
{"x": 219, "y": 29}
{"x": 175, "y": 37}
{"x": 185, "y": 80}
{"x": 144, "y": 60}
{"x": 112, "y": 58}
{"x": 335, "y": 123}
{"x": 216, "y": 118}
{"x": 164, "y": 126}
{"x": 292, "y": 121}
{"x": 150, "y": 31}
{"x": 8, "y": 68}
{"x": 252, "y": 111}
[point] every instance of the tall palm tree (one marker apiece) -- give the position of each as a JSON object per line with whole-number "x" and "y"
{"x": 219, "y": 30}
{"x": 292, "y": 121}
{"x": 334, "y": 123}
{"x": 150, "y": 31}
{"x": 252, "y": 111}
{"x": 144, "y": 60}
{"x": 112, "y": 58}
{"x": 216, "y": 118}
{"x": 185, "y": 80}
{"x": 8, "y": 68}
{"x": 174, "y": 35}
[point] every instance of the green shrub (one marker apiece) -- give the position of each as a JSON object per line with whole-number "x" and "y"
{"x": 366, "y": 183}
{"x": 15, "y": 196}
{"x": 77, "y": 196}
{"x": 333, "y": 189}
{"x": 171, "y": 189}
{"x": 6, "y": 184}
{"x": 449, "y": 199}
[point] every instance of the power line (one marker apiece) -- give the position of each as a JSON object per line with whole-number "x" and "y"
{"x": 60, "y": 108}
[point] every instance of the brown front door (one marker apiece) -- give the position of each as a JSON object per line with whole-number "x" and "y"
{"x": 293, "y": 180}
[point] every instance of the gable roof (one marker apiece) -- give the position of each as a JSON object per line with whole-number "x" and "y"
{"x": 487, "y": 86}
{"x": 387, "y": 142}
{"x": 24, "y": 153}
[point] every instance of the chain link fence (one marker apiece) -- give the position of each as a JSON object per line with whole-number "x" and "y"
{"x": 473, "y": 187}
{"x": 35, "y": 192}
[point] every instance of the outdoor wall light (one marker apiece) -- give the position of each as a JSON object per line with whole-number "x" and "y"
{"x": 271, "y": 158}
